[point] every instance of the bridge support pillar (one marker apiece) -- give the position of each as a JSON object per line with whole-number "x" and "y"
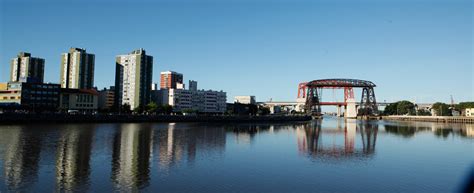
{"x": 351, "y": 109}
{"x": 339, "y": 111}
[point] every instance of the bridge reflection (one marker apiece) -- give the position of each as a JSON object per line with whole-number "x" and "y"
{"x": 339, "y": 142}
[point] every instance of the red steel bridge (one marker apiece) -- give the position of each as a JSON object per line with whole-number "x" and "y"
{"x": 312, "y": 92}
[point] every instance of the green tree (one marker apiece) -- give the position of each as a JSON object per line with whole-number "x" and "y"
{"x": 140, "y": 109}
{"x": 263, "y": 110}
{"x": 464, "y": 105}
{"x": 422, "y": 112}
{"x": 441, "y": 109}
{"x": 125, "y": 108}
{"x": 151, "y": 107}
{"x": 391, "y": 109}
{"x": 405, "y": 107}
{"x": 167, "y": 109}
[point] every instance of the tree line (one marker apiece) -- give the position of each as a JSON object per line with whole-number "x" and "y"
{"x": 441, "y": 109}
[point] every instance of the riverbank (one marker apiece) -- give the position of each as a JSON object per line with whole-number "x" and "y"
{"x": 62, "y": 118}
{"x": 443, "y": 119}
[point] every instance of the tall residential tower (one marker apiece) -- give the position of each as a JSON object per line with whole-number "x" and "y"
{"x": 77, "y": 69}
{"x": 133, "y": 76}
{"x": 25, "y": 67}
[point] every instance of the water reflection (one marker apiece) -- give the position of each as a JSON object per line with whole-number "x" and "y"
{"x": 73, "y": 156}
{"x": 144, "y": 156}
{"x": 442, "y": 130}
{"x": 132, "y": 149}
{"x": 182, "y": 142}
{"x": 21, "y": 156}
{"x": 326, "y": 143}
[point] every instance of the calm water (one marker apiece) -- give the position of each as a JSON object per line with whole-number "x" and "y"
{"x": 332, "y": 155}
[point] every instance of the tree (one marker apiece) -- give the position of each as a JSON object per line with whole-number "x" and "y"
{"x": 125, "y": 108}
{"x": 139, "y": 109}
{"x": 422, "y": 112}
{"x": 464, "y": 105}
{"x": 263, "y": 110}
{"x": 405, "y": 107}
{"x": 167, "y": 109}
{"x": 151, "y": 107}
{"x": 391, "y": 109}
{"x": 441, "y": 109}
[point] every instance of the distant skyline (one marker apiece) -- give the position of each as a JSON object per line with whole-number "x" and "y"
{"x": 416, "y": 50}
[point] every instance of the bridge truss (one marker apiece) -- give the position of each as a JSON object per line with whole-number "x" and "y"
{"x": 312, "y": 91}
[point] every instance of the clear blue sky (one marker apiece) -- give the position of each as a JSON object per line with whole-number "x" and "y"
{"x": 416, "y": 50}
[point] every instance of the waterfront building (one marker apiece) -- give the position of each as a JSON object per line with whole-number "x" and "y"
{"x": 469, "y": 112}
{"x": 77, "y": 69}
{"x": 245, "y": 100}
{"x": 79, "y": 100}
{"x": 30, "y": 96}
{"x": 25, "y": 67}
{"x": 170, "y": 79}
{"x": 201, "y": 101}
{"x": 193, "y": 85}
{"x": 133, "y": 76}
{"x": 154, "y": 86}
{"x": 106, "y": 98}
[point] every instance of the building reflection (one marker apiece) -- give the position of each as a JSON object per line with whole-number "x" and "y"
{"x": 245, "y": 133}
{"x": 182, "y": 142}
{"x": 339, "y": 142}
{"x": 132, "y": 150}
{"x": 73, "y": 156}
{"x": 21, "y": 156}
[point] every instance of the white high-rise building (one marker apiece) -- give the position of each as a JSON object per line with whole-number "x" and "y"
{"x": 133, "y": 77}
{"x": 77, "y": 69}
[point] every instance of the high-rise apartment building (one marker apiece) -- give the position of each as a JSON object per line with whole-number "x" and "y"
{"x": 25, "y": 67}
{"x": 77, "y": 69}
{"x": 193, "y": 85}
{"x": 133, "y": 76}
{"x": 170, "y": 79}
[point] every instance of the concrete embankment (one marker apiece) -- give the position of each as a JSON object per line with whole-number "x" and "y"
{"x": 443, "y": 119}
{"x": 60, "y": 118}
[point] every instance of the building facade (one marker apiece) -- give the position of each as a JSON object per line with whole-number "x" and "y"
{"x": 245, "y": 100}
{"x": 170, "y": 79}
{"x": 469, "y": 112}
{"x": 106, "y": 98}
{"x": 25, "y": 67}
{"x": 79, "y": 100}
{"x": 77, "y": 69}
{"x": 32, "y": 96}
{"x": 193, "y": 85}
{"x": 133, "y": 76}
{"x": 200, "y": 101}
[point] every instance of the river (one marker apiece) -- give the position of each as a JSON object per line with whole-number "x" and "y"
{"x": 319, "y": 156}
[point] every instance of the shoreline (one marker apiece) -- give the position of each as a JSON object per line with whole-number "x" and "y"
{"x": 438, "y": 119}
{"x": 60, "y": 118}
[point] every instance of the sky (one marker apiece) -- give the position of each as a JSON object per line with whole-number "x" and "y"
{"x": 418, "y": 50}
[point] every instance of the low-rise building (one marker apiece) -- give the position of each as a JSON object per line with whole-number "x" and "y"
{"x": 200, "y": 101}
{"x": 79, "y": 100}
{"x": 245, "y": 100}
{"x": 469, "y": 112}
{"x": 33, "y": 96}
{"x": 106, "y": 98}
